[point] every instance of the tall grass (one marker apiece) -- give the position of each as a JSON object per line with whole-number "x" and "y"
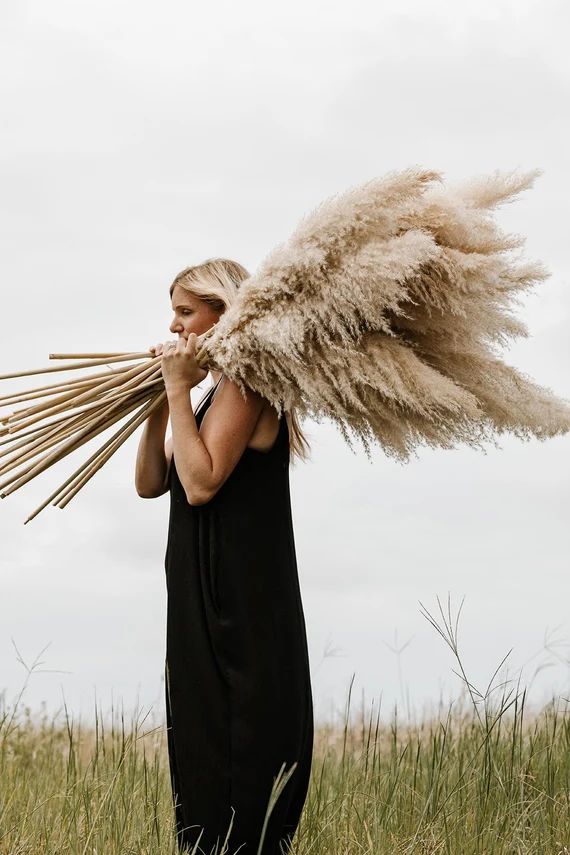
{"x": 482, "y": 776}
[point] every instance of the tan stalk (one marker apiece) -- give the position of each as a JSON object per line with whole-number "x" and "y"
{"x": 119, "y": 438}
{"x": 121, "y": 411}
{"x": 44, "y": 439}
{"x": 18, "y": 441}
{"x": 42, "y": 443}
{"x": 111, "y": 395}
{"x": 14, "y": 435}
{"x": 33, "y": 395}
{"x": 139, "y": 372}
{"x": 54, "y": 388}
{"x": 87, "y": 364}
{"x": 84, "y": 435}
{"x": 94, "y": 389}
{"x": 88, "y": 355}
{"x": 86, "y": 408}
{"x": 72, "y": 477}
{"x": 147, "y": 385}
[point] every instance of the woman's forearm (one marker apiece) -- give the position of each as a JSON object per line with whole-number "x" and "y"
{"x": 193, "y": 462}
{"x": 151, "y": 464}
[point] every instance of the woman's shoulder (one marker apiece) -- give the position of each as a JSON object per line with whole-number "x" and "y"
{"x": 267, "y": 426}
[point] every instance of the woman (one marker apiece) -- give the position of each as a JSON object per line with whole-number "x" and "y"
{"x": 238, "y": 690}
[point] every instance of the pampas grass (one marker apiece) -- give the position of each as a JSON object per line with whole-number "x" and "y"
{"x": 385, "y": 312}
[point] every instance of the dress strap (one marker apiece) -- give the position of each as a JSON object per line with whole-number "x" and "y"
{"x": 203, "y": 400}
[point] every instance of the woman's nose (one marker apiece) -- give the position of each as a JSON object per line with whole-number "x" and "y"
{"x": 175, "y": 327}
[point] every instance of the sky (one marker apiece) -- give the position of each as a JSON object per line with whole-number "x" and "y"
{"x": 139, "y": 139}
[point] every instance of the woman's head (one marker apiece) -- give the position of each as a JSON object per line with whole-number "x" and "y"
{"x": 201, "y": 293}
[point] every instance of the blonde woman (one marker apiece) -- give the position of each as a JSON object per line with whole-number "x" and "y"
{"x": 238, "y": 690}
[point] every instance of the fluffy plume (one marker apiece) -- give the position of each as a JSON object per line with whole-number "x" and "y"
{"x": 384, "y": 312}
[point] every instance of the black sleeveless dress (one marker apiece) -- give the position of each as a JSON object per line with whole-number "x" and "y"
{"x": 238, "y": 689}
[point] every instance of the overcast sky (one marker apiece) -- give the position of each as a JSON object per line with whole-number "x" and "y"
{"x": 141, "y": 138}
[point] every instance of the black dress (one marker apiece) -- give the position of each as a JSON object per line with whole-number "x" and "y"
{"x": 238, "y": 689}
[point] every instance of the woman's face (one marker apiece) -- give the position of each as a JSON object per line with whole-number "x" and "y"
{"x": 191, "y": 315}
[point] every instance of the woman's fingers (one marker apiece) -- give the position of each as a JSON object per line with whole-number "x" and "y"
{"x": 178, "y": 345}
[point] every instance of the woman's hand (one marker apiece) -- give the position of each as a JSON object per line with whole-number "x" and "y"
{"x": 180, "y": 370}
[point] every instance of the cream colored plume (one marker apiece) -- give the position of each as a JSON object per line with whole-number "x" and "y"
{"x": 385, "y": 311}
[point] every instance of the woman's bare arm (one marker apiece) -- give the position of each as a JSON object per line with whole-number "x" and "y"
{"x": 206, "y": 457}
{"x": 153, "y": 455}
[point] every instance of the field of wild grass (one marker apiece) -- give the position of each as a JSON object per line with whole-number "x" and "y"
{"x": 482, "y": 776}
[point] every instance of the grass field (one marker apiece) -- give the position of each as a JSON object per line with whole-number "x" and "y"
{"x": 484, "y": 776}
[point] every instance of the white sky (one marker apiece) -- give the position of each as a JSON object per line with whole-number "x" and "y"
{"x": 138, "y": 139}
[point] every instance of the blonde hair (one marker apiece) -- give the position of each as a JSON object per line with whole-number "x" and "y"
{"x": 216, "y": 281}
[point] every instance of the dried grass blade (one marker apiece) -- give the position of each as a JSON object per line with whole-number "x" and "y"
{"x": 88, "y": 364}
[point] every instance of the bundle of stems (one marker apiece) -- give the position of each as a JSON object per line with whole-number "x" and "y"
{"x": 385, "y": 312}
{"x": 37, "y": 436}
